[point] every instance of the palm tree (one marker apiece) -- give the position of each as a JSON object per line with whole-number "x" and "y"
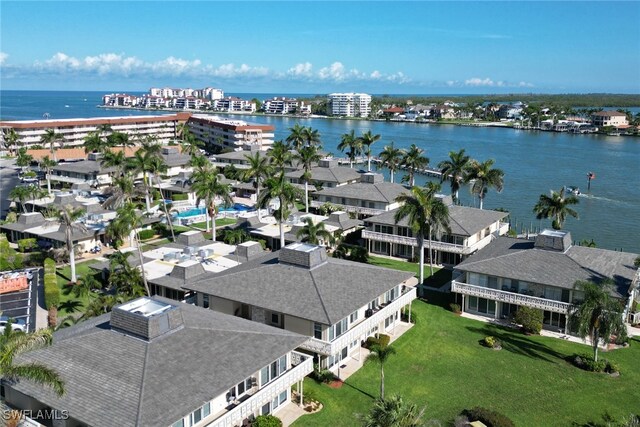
{"x": 427, "y": 216}
{"x": 312, "y": 233}
{"x": 455, "y": 170}
{"x": 393, "y": 412}
{"x": 296, "y": 138}
{"x": 391, "y": 157}
{"x": 191, "y": 145}
{"x": 157, "y": 166}
{"x": 47, "y": 164}
{"x": 280, "y": 155}
{"x": 259, "y": 170}
{"x": 23, "y": 159}
{"x": 414, "y": 160}
{"x": 278, "y": 187}
{"x": 198, "y": 161}
{"x": 119, "y": 139}
{"x": 598, "y": 316}
{"x": 126, "y": 224}
{"x": 12, "y": 344}
{"x": 556, "y": 206}
{"x": 484, "y": 177}
{"x": 368, "y": 139}
{"x": 381, "y": 354}
{"x": 115, "y": 159}
{"x": 84, "y": 286}
{"x": 351, "y": 143}
{"x": 142, "y": 163}
{"x": 68, "y": 216}
{"x": 21, "y": 193}
{"x": 207, "y": 186}
{"x": 51, "y": 137}
{"x": 237, "y": 236}
{"x": 120, "y": 192}
{"x": 94, "y": 143}
{"x": 35, "y": 192}
{"x": 312, "y": 136}
{"x": 11, "y": 140}
{"x": 306, "y": 157}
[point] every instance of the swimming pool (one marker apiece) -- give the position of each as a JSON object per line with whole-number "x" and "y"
{"x": 237, "y": 207}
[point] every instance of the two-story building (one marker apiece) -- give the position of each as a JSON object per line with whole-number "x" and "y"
{"x": 337, "y": 304}
{"x": 510, "y": 273}
{"x": 327, "y": 174}
{"x": 157, "y": 362}
{"x": 609, "y": 118}
{"x": 471, "y": 230}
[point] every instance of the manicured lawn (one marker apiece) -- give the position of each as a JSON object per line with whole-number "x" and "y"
{"x": 440, "y": 364}
{"x": 64, "y": 276}
{"x": 220, "y": 222}
{"x": 440, "y": 276}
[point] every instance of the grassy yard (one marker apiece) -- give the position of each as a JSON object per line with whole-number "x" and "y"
{"x": 220, "y": 222}
{"x": 440, "y": 276}
{"x": 64, "y": 276}
{"x": 440, "y": 365}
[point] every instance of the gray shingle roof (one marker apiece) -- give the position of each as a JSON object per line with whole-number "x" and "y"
{"x": 385, "y": 192}
{"x": 83, "y": 166}
{"x": 113, "y": 379}
{"x": 325, "y": 294}
{"x": 519, "y": 259}
{"x": 336, "y": 174}
{"x": 464, "y": 221}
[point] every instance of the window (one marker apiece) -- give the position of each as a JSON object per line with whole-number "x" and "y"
{"x": 179, "y": 423}
{"x": 205, "y": 300}
{"x": 275, "y": 318}
{"x": 338, "y": 329}
{"x": 317, "y": 330}
{"x": 273, "y": 371}
{"x": 353, "y": 317}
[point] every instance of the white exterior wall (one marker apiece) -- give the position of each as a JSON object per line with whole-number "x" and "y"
{"x": 350, "y": 104}
{"x": 222, "y": 305}
{"x": 298, "y": 325}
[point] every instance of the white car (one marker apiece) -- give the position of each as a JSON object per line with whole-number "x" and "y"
{"x": 16, "y": 325}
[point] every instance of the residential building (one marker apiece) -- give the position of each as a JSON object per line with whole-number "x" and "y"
{"x": 157, "y": 362}
{"x": 230, "y": 133}
{"x": 337, "y": 304}
{"x": 233, "y": 104}
{"x": 370, "y": 196}
{"x": 541, "y": 274}
{"x": 281, "y": 105}
{"x": 350, "y": 104}
{"x": 328, "y": 174}
{"x": 471, "y": 230}
{"x": 74, "y": 131}
{"x": 609, "y": 118}
{"x": 444, "y": 111}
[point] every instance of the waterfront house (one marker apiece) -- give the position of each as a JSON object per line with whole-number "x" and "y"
{"x": 157, "y": 362}
{"x": 510, "y": 273}
{"x": 370, "y": 196}
{"x": 471, "y": 230}
{"x": 609, "y": 118}
{"x": 337, "y": 304}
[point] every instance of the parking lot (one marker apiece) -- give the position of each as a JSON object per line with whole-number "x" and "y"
{"x": 21, "y": 305}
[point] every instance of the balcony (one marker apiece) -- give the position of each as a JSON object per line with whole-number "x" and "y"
{"x": 362, "y": 328}
{"x": 266, "y": 394}
{"x": 510, "y": 297}
{"x": 349, "y": 208}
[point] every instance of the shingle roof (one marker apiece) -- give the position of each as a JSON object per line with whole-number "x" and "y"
{"x": 385, "y": 192}
{"x": 519, "y": 259}
{"x": 464, "y": 221}
{"x": 324, "y": 294}
{"x": 83, "y": 166}
{"x": 336, "y": 174}
{"x": 113, "y": 379}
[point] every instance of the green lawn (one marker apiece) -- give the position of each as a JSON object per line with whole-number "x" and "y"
{"x": 64, "y": 276}
{"x": 440, "y": 364}
{"x": 220, "y": 222}
{"x": 440, "y": 276}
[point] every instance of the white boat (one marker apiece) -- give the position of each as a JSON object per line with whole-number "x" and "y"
{"x": 573, "y": 190}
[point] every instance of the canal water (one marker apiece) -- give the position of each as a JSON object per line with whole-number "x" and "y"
{"x": 533, "y": 162}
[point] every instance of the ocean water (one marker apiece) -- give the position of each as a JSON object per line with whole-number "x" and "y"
{"x": 533, "y": 162}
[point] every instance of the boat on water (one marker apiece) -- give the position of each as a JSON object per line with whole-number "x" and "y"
{"x": 573, "y": 190}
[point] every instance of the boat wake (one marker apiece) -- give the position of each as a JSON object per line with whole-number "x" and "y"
{"x": 604, "y": 199}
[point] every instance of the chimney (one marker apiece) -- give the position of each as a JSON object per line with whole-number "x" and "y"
{"x": 371, "y": 178}
{"x": 146, "y": 318}
{"x": 190, "y": 238}
{"x": 328, "y": 163}
{"x": 303, "y": 255}
{"x": 249, "y": 250}
{"x": 553, "y": 240}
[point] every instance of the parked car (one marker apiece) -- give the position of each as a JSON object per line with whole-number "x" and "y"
{"x": 16, "y": 324}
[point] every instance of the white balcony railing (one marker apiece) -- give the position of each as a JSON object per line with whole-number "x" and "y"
{"x": 349, "y": 208}
{"x": 510, "y": 297}
{"x": 360, "y": 329}
{"x": 266, "y": 394}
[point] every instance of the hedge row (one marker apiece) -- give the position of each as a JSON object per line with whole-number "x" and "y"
{"x": 381, "y": 341}
{"x": 51, "y": 289}
{"x": 177, "y": 197}
{"x": 146, "y": 234}
{"x": 489, "y": 417}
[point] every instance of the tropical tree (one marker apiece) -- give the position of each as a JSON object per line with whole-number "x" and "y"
{"x": 296, "y": 138}
{"x": 599, "y": 315}
{"x": 11, "y": 140}
{"x": 126, "y": 279}
{"x": 12, "y": 344}
{"x": 307, "y": 156}
{"x": 381, "y": 354}
{"x": 368, "y": 139}
{"x": 455, "y": 169}
{"x": 94, "y": 143}
{"x": 312, "y": 136}
{"x": 207, "y": 186}
{"x": 351, "y": 143}
{"x": 390, "y": 157}
{"x": 191, "y": 145}
{"x": 68, "y": 217}
{"x": 115, "y": 159}
{"x": 35, "y": 192}
{"x": 279, "y": 155}
{"x": 47, "y": 164}
{"x": 124, "y": 225}
{"x": 427, "y": 215}
{"x": 414, "y": 160}
{"x": 157, "y": 167}
{"x": 23, "y": 159}
{"x": 259, "y": 170}
{"x": 237, "y": 236}
{"x": 119, "y": 139}
{"x": 142, "y": 162}
{"x": 393, "y": 412}
{"x": 84, "y": 286}
{"x": 50, "y": 138}
{"x": 21, "y": 193}
{"x": 121, "y": 190}
{"x": 279, "y": 188}
{"x": 556, "y": 206}
{"x": 312, "y": 233}
{"x": 483, "y": 177}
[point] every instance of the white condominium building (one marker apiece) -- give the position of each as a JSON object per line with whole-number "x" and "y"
{"x": 350, "y": 104}
{"x": 74, "y": 131}
{"x": 281, "y": 105}
{"x": 228, "y": 133}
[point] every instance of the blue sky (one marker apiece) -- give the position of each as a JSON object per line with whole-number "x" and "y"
{"x": 319, "y": 47}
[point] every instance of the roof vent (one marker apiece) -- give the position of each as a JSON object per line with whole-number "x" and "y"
{"x": 190, "y": 238}
{"x": 553, "y": 240}
{"x": 249, "y": 250}
{"x": 303, "y": 255}
{"x": 146, "y": 318}
{"x": 372, "y": 178}
{"x": 328, "y": 163}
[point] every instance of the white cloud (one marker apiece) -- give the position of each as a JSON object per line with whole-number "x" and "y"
{"x": 487, "y": 82}
{"x": 302, "y": 69}
{"x": 3, "y": 57}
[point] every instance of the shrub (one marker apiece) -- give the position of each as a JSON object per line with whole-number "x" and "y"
{"x": 586, "y": 362}
{"x": 530, "y": 319}
{"x": 405, "y": 315}
{"x": 380, "y": 340}
{"x": 489, "y": 417}
{"x": 323, "y": 376}
{"x": 26, "y": 245}
{"x": 179, "y": 197}
{"x": 52, "y": 317}
{"x": 455, "y": 308}
{"x": 51, "y": 289}
{"x": 266, "y": 421}
{"x": 146, "y": 234}
{"x": 492, "y": 342}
